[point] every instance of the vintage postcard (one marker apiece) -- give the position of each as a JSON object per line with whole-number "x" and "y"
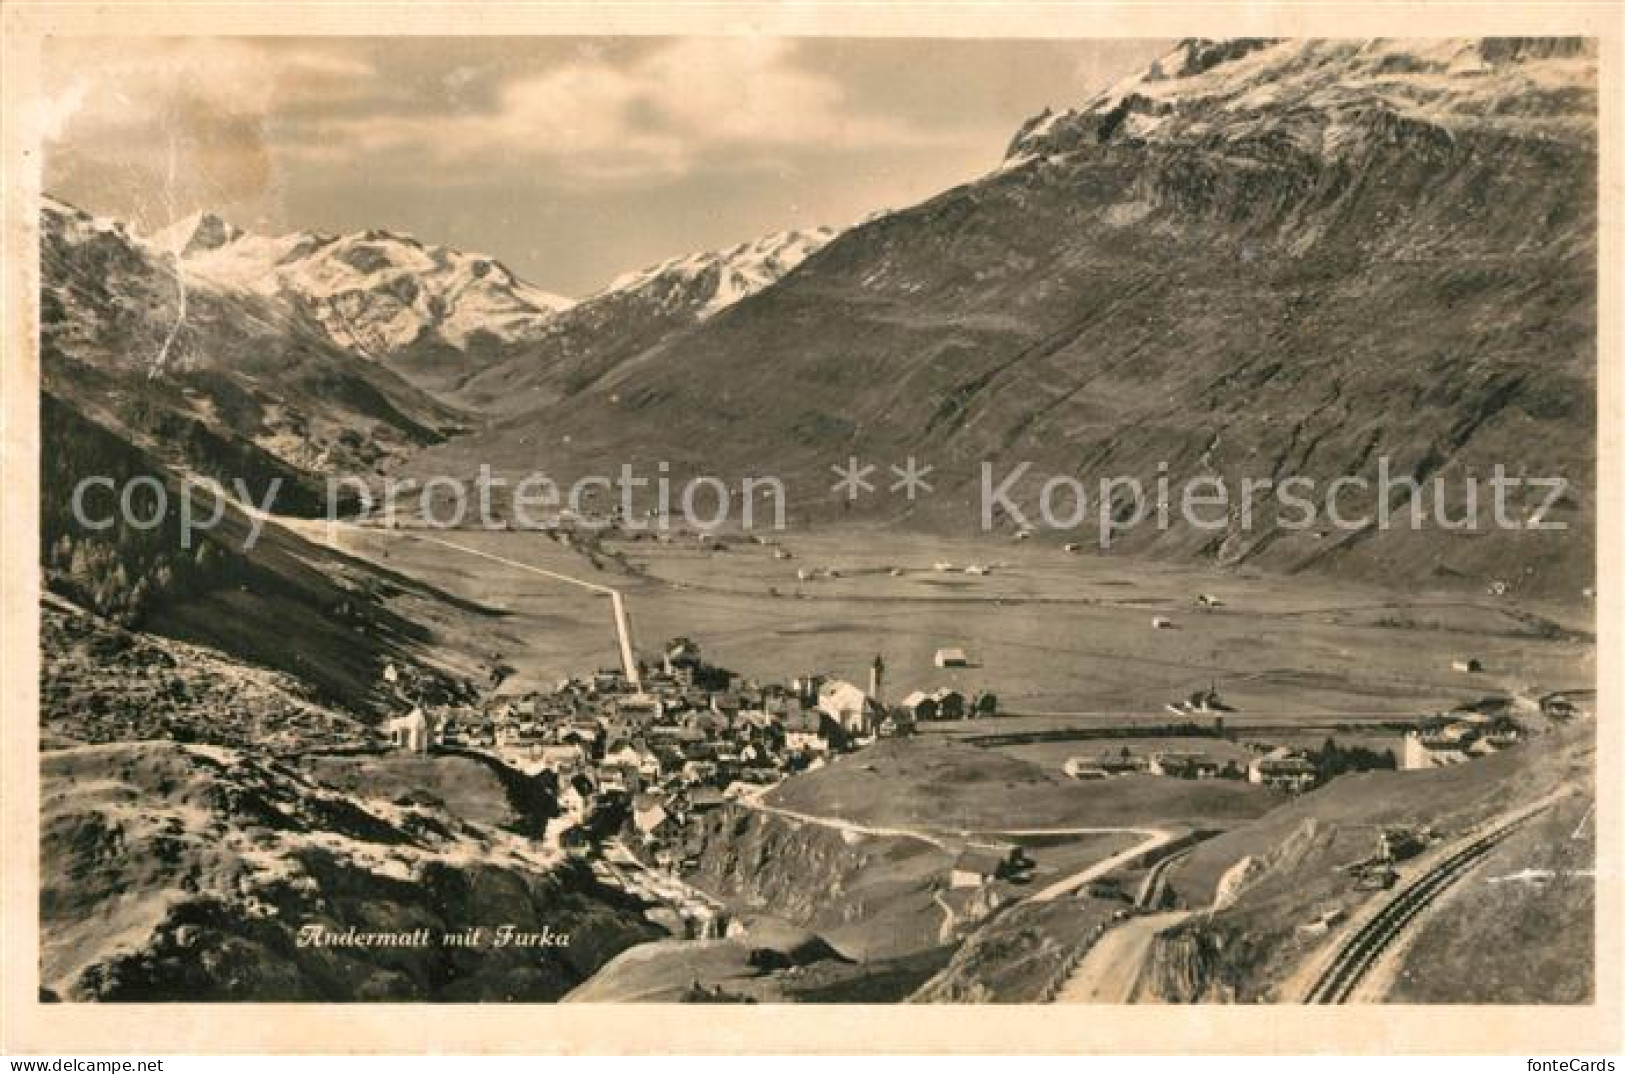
{"x": 1011, "y": 510}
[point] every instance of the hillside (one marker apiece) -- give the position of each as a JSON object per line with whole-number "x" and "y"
{"x": 632, "y": 314}
{"x": 1021, "y": 955}
{"x": 1281, "y": 871}
{"x": 1254, "y": 260}
{"x": 339, "y": 621}
{"x": 872, "y": 898}
{"x": 184, "y": 873}
{"x": 1539, "y": 898}
{"x": 213, "y": 379}
{"x": 769, "y": 962}
{"x": 936, "y": 785}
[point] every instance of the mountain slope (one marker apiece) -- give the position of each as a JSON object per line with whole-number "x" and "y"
{"x": 633, "y": 313}
{"x": 339, "y": 621}
{"x": 1291, "y": 865}
{"x": 186, "y": 873}
{"x": 218, "y": 381}
{"x": 1255, "y": 260}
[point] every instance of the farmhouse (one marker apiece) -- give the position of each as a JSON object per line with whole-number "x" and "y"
{"x": 580, "y": 733}
{"x": 920, "y": 705}
{"x": 620, "y": 780}
{"x": 951, "y": 658}
{"x": 564, "y": 757}
{"x": 698, "y": 772}
{"x": 651, "y": 819}
{"x": 944, "y": 704}
{"x": 1107, "y": 763}
{"x": 622, "y": 754}
{"x": 977, "y": 866}
{"x": 804, "y": 733}
{"x": 705, "y": 799}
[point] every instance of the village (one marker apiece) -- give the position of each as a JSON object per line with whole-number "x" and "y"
{"x": 637, "y": 757}
{"x": 651, "y": 750}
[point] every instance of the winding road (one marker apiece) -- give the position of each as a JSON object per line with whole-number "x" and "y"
{"x": 1154, "y": 838}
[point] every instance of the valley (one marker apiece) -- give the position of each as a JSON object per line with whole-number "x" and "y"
{"x": 1061, "y": 639}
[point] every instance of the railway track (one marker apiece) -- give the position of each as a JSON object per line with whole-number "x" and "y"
{"x": 1361, "y": 951}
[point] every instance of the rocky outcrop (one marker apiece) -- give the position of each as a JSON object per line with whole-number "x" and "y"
{"x": 869, "y": 896}
{"x": 1182, "y": 968}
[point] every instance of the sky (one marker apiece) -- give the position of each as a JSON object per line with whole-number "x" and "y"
{"x": 571, "y": 160}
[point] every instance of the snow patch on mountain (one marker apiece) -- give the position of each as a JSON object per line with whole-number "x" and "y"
{"x": 1319, "y": 96}
{"x": 376, "y": 292}
{"x": 712, "y": 281}
{"x": 74, "y": 225}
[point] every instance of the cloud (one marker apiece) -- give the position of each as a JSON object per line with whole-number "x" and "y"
{"x": 111, "y": 83}
{"x": 658, "y": 114}
{"x": 165, "y": 125}
{"x": 576, "y": 158}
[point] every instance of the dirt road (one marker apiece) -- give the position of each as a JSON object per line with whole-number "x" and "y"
{"x": 617, "y": 602}
{"x": 942, "y": 840}
{"x": 753, "y": 801}
{"x": 1110, "y": 972}
{"x": 1154, "y": 838}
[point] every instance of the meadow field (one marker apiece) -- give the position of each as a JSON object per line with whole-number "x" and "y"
{"x": 1051, "y": 633}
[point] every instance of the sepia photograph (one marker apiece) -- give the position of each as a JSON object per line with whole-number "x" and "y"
{"x": 755, "y": 518}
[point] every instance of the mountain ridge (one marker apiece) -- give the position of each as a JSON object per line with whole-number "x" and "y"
{"x": 635, "y": 311}
{"x": 430, "y": 311}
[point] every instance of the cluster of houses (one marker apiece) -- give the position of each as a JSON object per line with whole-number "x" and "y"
{"x": 1457, "y": 737}
{"x": 665, "y": 747}
{"x": 944, "y": 704}
{"x": 1449, "y": 739}
{"x": 1280, "y": 768}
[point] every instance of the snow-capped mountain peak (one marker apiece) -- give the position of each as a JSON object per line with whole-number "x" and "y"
{"x": 376, "y": 292}
{"x": 1317, "y": 96}
{"x": 713, "y": 280}
{"x": 194, "y": 234}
